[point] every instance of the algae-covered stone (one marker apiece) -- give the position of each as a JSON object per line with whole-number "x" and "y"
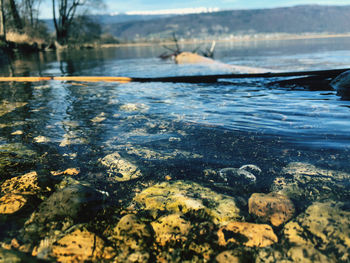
{"x": 323, "y": 225}
{"x": 171, "y": 229}
{"x": 272, "y": 207}
{"x": 119, "y": 168}
{"x": 247, "y": 234}
{"x": 308, "y": 254}
{"x": 306, "y": 182}
{"x": 188, "y": 197}
{"x": 243, "y": 176}
{"x": 11, "y": 203}
{"x": 232, "y": 256}
{"x": 80, "y": 246}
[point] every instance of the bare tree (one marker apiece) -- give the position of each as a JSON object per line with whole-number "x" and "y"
{"x": 64, "y": 11}
{"x": 2, "y": 21}
{"x": 17, "y": 21}
{"x": 31, "y": 11}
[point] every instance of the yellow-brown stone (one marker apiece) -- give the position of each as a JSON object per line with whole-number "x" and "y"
{"x": 188, "y": 197}
{"x": 171, "y": 229}
{"x": 25, "y": 184}
{"x": 80, "y": 246}
{"x": 247, "y": 234}
{"x": 11, "y": 203}
{"x": 272, "y": 207}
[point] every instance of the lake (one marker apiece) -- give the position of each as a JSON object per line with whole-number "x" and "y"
{"x": 195, "y": 169}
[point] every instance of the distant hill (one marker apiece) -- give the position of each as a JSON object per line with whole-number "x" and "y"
{"x": 293, "y": 20}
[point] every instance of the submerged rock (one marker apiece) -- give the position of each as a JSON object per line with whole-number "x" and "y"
{"x": 133, "y": 239}
{"x": 306, "y": 182}
{"x": 120, "y": 169}
{"x": 325, "y": 226}
{"x": 188, "y": 197}
{"x": 25, "y": 184}
{"x": 171, "y": 229}
{"x": 272, "y": 207}
{"x": 134, "y": 107}
{"x": 81, "y": 246}
{"x": 12, "y": 256}
{"x": 41, "y": 139}
{"x": 11, "y": 203}
{"x": 247, "y": 234}
{"x": 7, "y": 106}
{"x": 242, "y": 177}
{"x": 342, "y": 84}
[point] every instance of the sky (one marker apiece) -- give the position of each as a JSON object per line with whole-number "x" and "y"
{"x": 147, "y": 5}
{"x": 123, "y": 6}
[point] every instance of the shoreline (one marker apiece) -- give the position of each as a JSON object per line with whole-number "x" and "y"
{"x": 245, "y": 38}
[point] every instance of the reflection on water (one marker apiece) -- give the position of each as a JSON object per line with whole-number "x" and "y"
{"x": 200, "y": 172}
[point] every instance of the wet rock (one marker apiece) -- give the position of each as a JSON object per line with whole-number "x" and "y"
{"x": 243, "y": 176}
{"x": 134, "y": 107}
{"x": 69, "y": 171}
{"x": 11, "y": 203}
{"x": 325, "y": 226}
{"x": 81, "y": 246}
{"x": 133, "y": 239}
{"x": 203, "y": 251}
{"x": 12, "y": 256}
{"x": 308, "y": 254}
{"x": 18, "y": 132}
{"x": 72, "y": 138}
{"x": 272, "y": 207}
{"x": 188, "y": 197}
{"x": 7, "y": 106}
{"x": 13, "y": 155}
{"x": 99, "y": 118}
{"x": 25, "y": 184}
{"x": 119, "y": 168}
{"x": 77, "y": 202}
{"x": 232, "y": 256}
{"x": 171, "y": 229}
{"x": 41, "y": 139}
{"x": 247, "y": 234}
{"x": 305, "y": 182}
{"x": 150, "y": 154}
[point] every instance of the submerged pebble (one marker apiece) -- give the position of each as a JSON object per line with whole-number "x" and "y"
{"x": 247, "y": 234}
{"x": 119, "y": 168}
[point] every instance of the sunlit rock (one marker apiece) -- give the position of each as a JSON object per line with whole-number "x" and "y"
{"x": 306, "y": 182}
{"x": 188, "y": 197}
{"x": 308, "y": 254}
{"x": 81, "y": 246}
{"x": 171, "y": 229}
{"x": 119, "y": 168}
{"x": 25, "y": 184}
{"x": 7, "y": 106}
{"x": 11, "y": 203}
{"x": 323, "y": 225}
{"x": 274, "y": 208}
{"x": 247, "y": 234}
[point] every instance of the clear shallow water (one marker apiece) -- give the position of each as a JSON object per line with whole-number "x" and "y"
{"x": 195, "y": 126}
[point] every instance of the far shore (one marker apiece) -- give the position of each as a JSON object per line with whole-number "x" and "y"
{"x": 247, "y": 38}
